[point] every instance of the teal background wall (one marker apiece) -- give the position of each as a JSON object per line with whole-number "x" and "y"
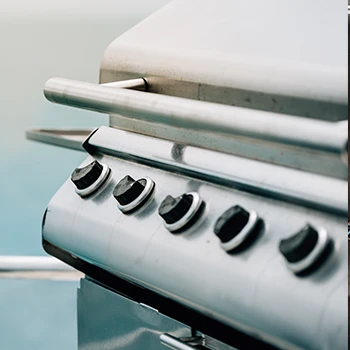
{"x": 42, "y": 39}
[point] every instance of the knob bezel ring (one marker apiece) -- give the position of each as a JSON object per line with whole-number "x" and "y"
{"x": 149, "y": 187}
{"x": 243, "y": 235}
{"x": 97, "y": 184}
{"x": 316, "y": 252}
{"x": 193, "y": 209}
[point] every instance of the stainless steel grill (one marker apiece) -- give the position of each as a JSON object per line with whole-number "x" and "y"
{"x": 211, "y": 212}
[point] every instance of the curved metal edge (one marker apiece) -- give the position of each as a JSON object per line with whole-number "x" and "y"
{"x": 124, "y": 145}
{"x": 345, "y": 154}
{"x": 175, "y": 343}
{"x": 199, "y": 116}
{"x": 171, "y": 308}
{"x": 89, "y": 148}
{"x": 66, "y": 138}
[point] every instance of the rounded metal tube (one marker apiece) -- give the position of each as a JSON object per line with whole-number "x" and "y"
{"x": 174, "y": 343}
{"x": 199, "y": 116}
{"x": 32, "y": 263}
{"x": 135, "y": 84}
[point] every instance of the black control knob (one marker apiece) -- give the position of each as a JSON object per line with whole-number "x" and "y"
{"x": 127, "y": 190}
{"x": 87, "y": 176}
{"x": 174, "y": 209}
{"x": 231, "y": 223}
{"x": 300, "y": 245}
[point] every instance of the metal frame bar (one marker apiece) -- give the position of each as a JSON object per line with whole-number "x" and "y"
{"x": 36, "y": 267}
{"x": 72, "y": 139}
{"x": 311, "y": 190}
{"x": 199, "y": 116}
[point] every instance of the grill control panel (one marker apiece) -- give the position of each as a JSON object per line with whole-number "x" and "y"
{"x": 235, "y": 227}
{"x": 212, "y": 248}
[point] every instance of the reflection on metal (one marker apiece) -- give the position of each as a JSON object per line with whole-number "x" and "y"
{"x": 270, "y": 180}
{"x": 43, "y": 275}
{"x": 135, "y": 84}
{"x": 301, "y": 143}
{"x": 208, "y": 61}
{"x": 192, "y": 269}
{"x": 237, "y": 119}
{"x": 181, "y": 344}
{"x": 72, "y": 139}
{"x": 198, "y": 116}
{"x": 118, "y": 322}
{"x": 141, "y": 327}
{"x": 36, "y": 267}
{"x": 324, "y": 163}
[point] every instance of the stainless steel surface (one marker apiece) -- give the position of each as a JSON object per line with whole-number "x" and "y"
{"x": 256, "y": 283}
{"x": 199, "y": 116}
{"x": 136, "y": 84}
{"x": 316, "y": 162}
{"x": 42, "y": 275}
{"x": 223, "y": 52}
{"x": 32, "y": 263}
{"x": 120, "y": 323}
{"x": 72, "y": 139}
{"x": 238, "y": 113}
{"x": 267, "y": 180}
{"x": 212, "y": 63}
{"x": 174, "y": 343}
{"x": 36, "y": 267}
{"x": 214, "y": 344}
{"x": 316, "y": 146}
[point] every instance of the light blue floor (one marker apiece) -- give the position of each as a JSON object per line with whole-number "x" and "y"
{"x": 36, "y": 44}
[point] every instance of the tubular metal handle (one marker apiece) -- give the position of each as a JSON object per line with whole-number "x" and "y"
{"x": 32, "y": 263}
{"x": 199, "y": 116}
{"x": 178, "y": 344}
{"x": 36, "y": 267}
